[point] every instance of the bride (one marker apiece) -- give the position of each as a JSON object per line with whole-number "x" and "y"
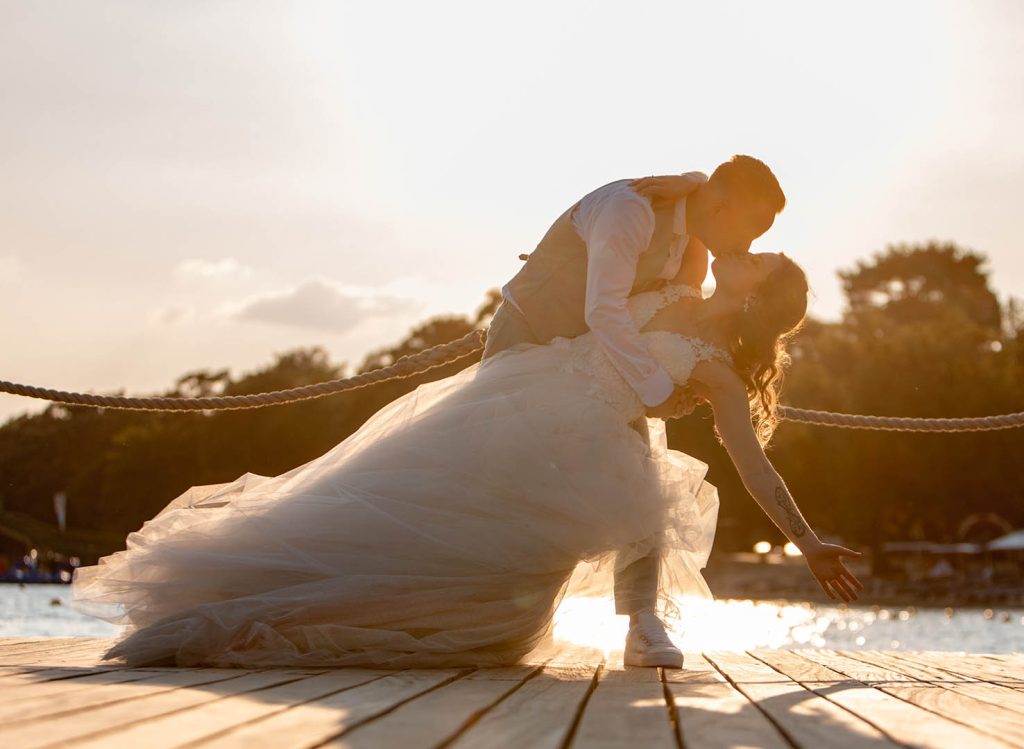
{"x": 447, "y": 529}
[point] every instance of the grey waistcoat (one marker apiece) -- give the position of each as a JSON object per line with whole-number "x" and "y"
{"x": 551, "y": 288}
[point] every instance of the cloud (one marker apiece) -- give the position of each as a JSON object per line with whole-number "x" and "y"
{"x": 224, "y": 268}
{"x": 321, "y": 305}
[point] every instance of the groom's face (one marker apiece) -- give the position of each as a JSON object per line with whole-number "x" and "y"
{"x": 734, "y": 224}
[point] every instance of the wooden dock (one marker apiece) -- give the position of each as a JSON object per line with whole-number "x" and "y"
{"x": 53, "y": 694}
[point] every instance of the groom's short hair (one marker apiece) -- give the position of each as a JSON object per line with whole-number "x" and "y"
{"x": 750, "y": 178}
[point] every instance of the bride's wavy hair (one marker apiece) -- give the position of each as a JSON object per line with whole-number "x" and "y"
{"x": 758, "y": 335}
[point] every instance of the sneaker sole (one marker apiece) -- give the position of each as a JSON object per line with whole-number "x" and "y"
{"x": 654, "y": 660}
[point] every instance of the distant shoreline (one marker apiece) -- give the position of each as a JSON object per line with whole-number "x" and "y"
{"x": 746, "y": 576}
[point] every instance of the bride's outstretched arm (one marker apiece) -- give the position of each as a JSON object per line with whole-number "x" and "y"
{"x": 732, "y": 417}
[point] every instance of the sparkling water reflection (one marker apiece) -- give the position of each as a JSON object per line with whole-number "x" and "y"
{"x": 744, "y": 624}
{"x": 30, "y": 611}
{"x": 704, "y": 625}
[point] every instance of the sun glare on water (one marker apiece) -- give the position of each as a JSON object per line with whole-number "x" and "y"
{"x": 702, "y": 625}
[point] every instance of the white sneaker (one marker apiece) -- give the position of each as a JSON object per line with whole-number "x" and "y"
{"x": 648, "y": 645}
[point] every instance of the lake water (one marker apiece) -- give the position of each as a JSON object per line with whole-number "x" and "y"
{"x": 706, "y": 625}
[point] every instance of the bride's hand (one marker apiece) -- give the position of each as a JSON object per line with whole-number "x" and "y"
{"x": 828, "y": 568}
{"x": 668, "y": 188}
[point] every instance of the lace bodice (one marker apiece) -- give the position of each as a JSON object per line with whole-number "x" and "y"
{"x": 676, "y": 352}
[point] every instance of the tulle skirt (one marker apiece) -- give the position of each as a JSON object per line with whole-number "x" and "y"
{"x": 444, "y": 532}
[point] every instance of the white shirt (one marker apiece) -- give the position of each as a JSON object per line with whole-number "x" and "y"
{"x": 617, "y": 225}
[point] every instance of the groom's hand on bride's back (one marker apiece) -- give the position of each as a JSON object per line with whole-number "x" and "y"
{"x": 667, "y": 188}
{"x": 680, "y": 403}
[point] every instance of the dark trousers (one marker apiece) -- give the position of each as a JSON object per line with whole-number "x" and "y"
{"x": 636, "y": 583}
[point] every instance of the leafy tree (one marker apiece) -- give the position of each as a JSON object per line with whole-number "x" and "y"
{"x": 914, "y": 283}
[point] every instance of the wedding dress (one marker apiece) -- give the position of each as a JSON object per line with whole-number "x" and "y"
{"x": 444, "y": 532}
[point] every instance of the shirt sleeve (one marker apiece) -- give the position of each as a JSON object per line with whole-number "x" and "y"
{"x": 616, "y": 235}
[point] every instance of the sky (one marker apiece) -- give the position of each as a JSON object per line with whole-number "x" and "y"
{"x": 203, "y": 184}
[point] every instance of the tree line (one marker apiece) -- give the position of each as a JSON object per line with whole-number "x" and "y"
{"x": 922, "y": 334}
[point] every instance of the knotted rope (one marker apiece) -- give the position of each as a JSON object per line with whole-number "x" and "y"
{"x": 446, "y": 353}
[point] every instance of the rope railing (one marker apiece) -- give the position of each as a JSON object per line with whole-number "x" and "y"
{"x": 902, "y": 423}
{"x": 407, "y": 366}
{"x": 446, "y": 353}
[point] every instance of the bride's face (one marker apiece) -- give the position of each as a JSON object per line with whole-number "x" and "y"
{"x": 741, "y": 274}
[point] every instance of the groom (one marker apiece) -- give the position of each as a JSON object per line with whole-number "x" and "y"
{"x": 621, "y": 239}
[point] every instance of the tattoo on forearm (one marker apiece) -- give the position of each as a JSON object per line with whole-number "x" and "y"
{"x": 795, "y": 523}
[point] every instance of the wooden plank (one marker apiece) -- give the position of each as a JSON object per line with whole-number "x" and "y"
{"x": 1008, "y": 658}
{"x": 920, "y": 671}
{"x": 1009, "y": 667}
{"x": 902, "y": 721}
{"x": 106, "y": 725}
{"x": 75, "y": 717}
{"x": 46, "y": 643}
{"x": 505, "y": 673}
{"x": 37, "y": 653}
{"x": 97, "y": 645}
{"x": 22, "y": 643}
{"x": 15, "y": 676}
{"x": 539, "y": 714}
{"x": 85, "y": 656}
{"x": 26, "y": 701}
{"x": 817, "y": 698}
{"x": 868, "y": 673}
{"x": 994, "y": 718}
{"x": 711, "y": 714}
{"x": 304, "y": 717}
{"x": 7, "y": 641}
{"x": 982, "y": 668}
{"x": 570, "y": 654}
{"x": 572, "y": 661}
{"x": 1005, "y": 697}
{"x": 80, "y": 696}
{"x": 628, "y": 707}
{"x": 616, "y": 672}
{"x": 84, "y": 652}
{"x": 546, "y": 651}
{"x": 626, "y": 714}
{"x": 440, "y": 715}
{"x": 804, "y": 717}
{"x": 264, "y": 694}
{"x": 998, "y": 723}
{"x": 11, "y": 671}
